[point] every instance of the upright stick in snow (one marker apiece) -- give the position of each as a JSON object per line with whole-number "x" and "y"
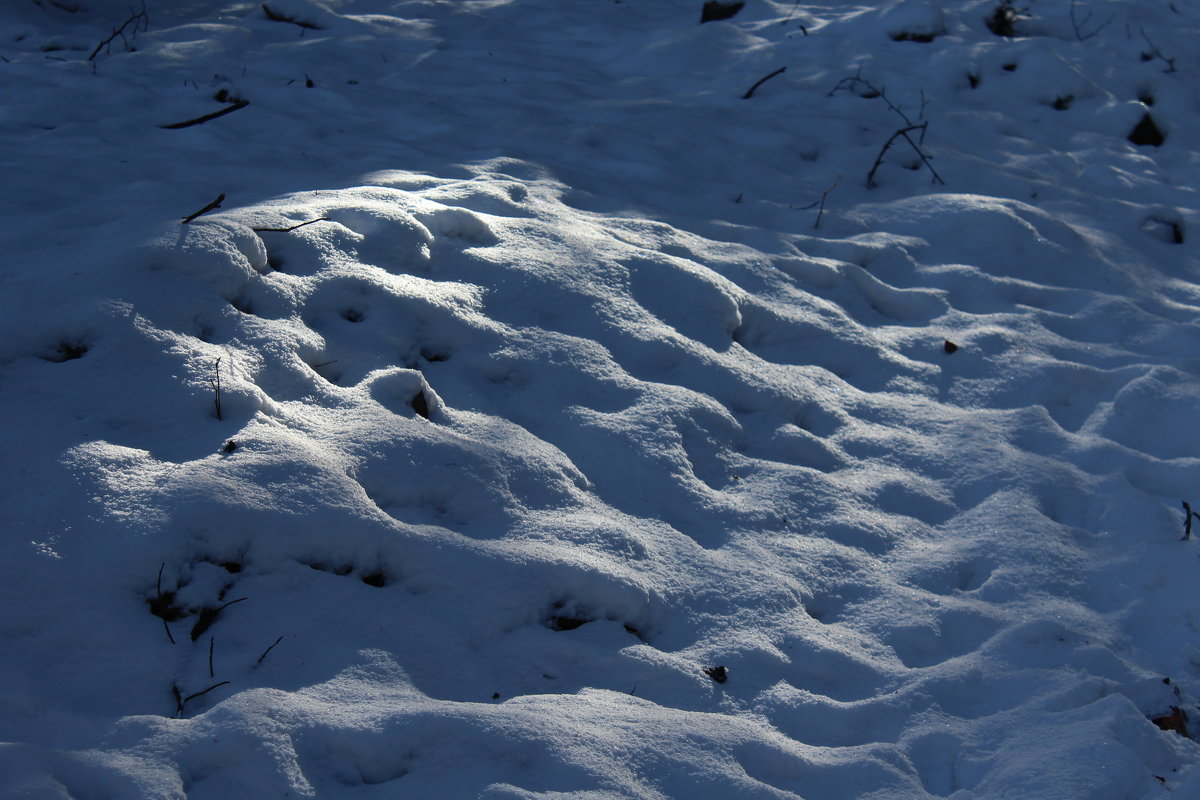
{"x": 215, "y": 382}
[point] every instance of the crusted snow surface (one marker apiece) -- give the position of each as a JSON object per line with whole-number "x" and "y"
{"x": 537, "y": 416}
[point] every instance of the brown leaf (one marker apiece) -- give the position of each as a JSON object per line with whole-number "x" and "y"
{"x": 1175, "y": 721}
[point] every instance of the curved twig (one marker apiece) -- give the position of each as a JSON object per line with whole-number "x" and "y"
{"x": 750, "y": 92}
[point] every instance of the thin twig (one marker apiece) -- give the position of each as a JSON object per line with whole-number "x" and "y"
{"x": 825, "y": 194}
{"x": 158, "y": 592}
{"x": 792, "y": 13}
{"x": 213, "y": 205}
{"x": 873, "y": 92}
{"x": 921, "y": 153}
{"x": 192, "y": 697}
{"x": 269, "y": 649}
{"x": 879, "y": 158}
{"x": 286, "y": 230}
{"x": 140, "y": 21}
{"x": 215, "y": 383}
{"x": 750, "y": 92}
{"x": 207, "y": 117}
{"x": 208, "y": 617}
{"x": 903, "y": 132}
{"x": 1079, "y": 26}
{"x": 924, "y": 103}
{"x": 232, "y": 602}
{"x": 211, "y": 643}
{"x": 1170, "y": 62}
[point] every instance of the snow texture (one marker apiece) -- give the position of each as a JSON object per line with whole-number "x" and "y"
{"x": 538, "y": 417}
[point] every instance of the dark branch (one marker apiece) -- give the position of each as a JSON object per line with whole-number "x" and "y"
{"x": 208, "y": 615}
{"x": 213, "y": 205}
{"x": 192, "y": 697}
{"x": 231, "y": 602}
{"x": 903, "y": 132}
{"x": 872, "y": 91}
{"x": 824, "y": 195}
{"x": 269, "y": 649}
{"x": 750, "y": 92}
{"x": 1080, "y": 34}
{"x": 921, "y": 153}
{"x": 207, "y": 117}
{"x": 215, "y": 383}
{"x": 792, "y": 13}
{"x": 285, "y": 230}
{"x": 140, "y": 21}
{"x": 1154, "y": 51}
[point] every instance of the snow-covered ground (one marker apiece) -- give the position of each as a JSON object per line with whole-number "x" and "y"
{"x": 540, "y": 416}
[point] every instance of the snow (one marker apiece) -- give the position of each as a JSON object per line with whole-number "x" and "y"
{"x": 585, "y": 428}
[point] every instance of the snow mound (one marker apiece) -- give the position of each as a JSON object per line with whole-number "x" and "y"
{"x": 452, "y": 469}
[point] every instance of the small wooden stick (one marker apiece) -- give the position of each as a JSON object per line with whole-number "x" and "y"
{"x": 191, "y": 697}
{"x": 269, "y": 649}
{"x": 903, "y": 132}
{"x": 158, "y": 590}
{"x": 140, "y": 20}
{"x": 207, "y": 117}
{"x": 215, "y": 383}
{"x": 824, "y": 195}
{"x": 213, "y": 205}
{"x": 750, "y": 92}
{"x": 286, "y": 230}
